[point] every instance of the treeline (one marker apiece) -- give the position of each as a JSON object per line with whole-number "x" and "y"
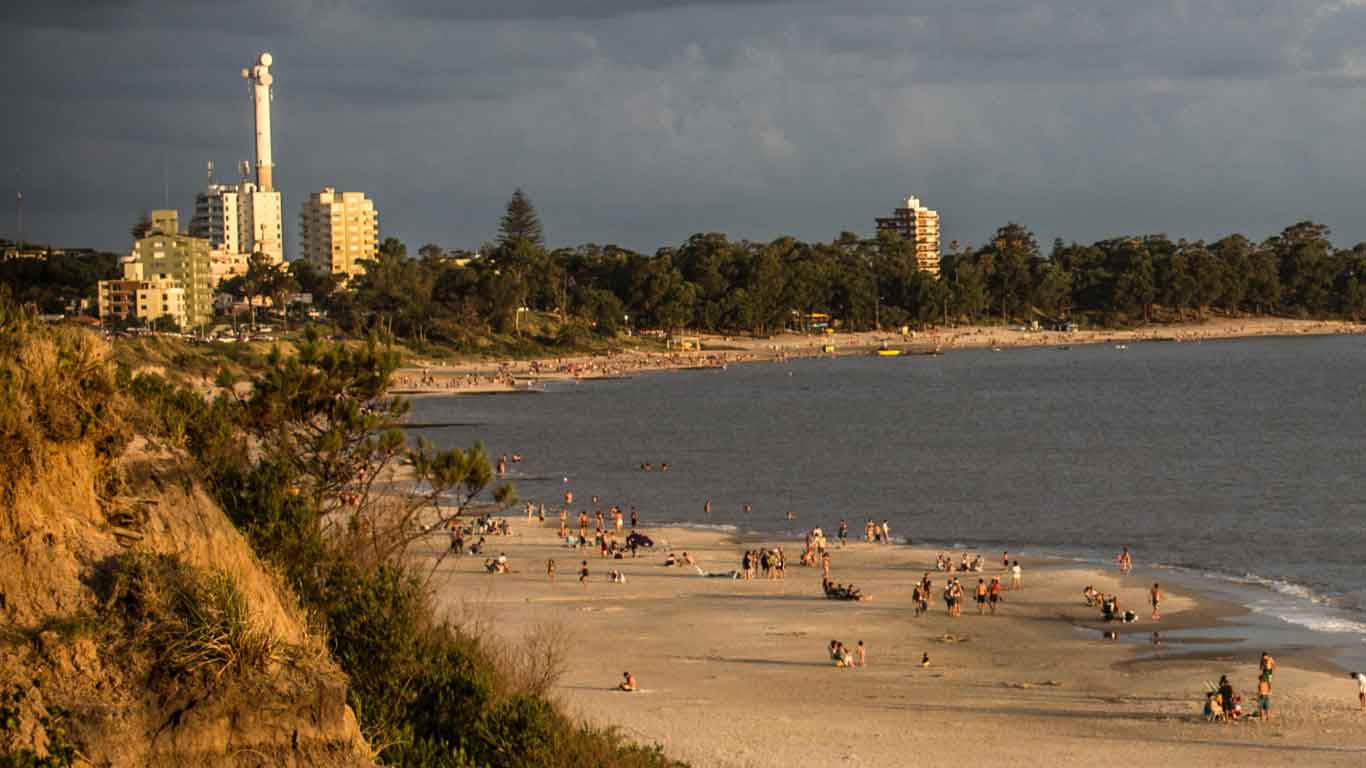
{"x": 711, "y": 283}
{"x": 60, "y": 279}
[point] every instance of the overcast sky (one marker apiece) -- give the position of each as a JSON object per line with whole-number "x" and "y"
{"x": 640, "y": 122}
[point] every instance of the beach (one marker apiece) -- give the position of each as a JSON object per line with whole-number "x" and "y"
{"x": 492, "y": 376}
{"x": 737, "y": 673}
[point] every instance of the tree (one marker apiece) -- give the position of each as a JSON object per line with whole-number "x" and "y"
{"x": 141, "y": 227}
{"x": 520, "y": 222}
{"x": 1013, "y": 251}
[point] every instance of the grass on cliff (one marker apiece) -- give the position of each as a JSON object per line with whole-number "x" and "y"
{"x": 194, "y": 624}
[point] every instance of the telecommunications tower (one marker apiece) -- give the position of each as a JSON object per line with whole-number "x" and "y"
{"x": 261, "y": 80}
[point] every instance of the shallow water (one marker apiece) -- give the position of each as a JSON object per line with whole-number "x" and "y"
{"x": 1237, "y": 462}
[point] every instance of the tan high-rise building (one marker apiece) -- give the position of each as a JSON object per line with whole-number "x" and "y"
{"x": 339, "y": 230}
{"x": 920, "y": 226}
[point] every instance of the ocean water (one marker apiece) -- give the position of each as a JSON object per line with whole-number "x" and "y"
{"x": 1234, "y": 465}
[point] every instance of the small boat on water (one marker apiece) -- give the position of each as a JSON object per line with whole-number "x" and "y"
{"x": 885, "y": 352}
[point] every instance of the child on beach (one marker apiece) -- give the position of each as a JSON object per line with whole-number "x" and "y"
{"x": 628, "y": 683}
{"x": 862, "y": 655}
{"x": 994, "y": 594}
{"x": 550, "y": 570}
{"x": 1015, "y": 575}
{"x": 1155, "y": 597}
{"x": 1264, "y": 698}
{"x": 583, "y": 574}
{"x": 981, "y": 596}
{"x": 1361, "y": 688}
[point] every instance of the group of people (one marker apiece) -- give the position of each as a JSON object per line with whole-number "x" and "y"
{"x": 836, "y": 591}
{"x": 944, "y": 562}
{"x": 1223, "y": 704}
{"x": 772, "y": 561}
{"x": 877, "y": 533}
{"x": 814, "y": 548}
{"x": 847, "y": 658}
{"x": 680, "y": 560}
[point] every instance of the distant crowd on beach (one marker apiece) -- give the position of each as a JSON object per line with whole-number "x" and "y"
{"x": 614, "y": 531}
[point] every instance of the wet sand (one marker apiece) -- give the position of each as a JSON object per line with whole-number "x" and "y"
{"x": 735, "y": 673}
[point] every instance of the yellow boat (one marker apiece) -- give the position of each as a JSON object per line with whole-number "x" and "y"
{"x": 888, "y": 352}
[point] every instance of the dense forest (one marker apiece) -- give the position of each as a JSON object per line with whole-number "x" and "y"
{"x": 712, "y": 283}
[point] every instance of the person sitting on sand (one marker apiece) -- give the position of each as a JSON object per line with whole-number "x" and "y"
{"x": 671, "y": 560}
{"x": 1091, "y": 595}
{"x": 1109, "y": 607}
{"x": 688, "y": 559}
{"x": 617, "y": 577}
{"x": 1226, "y": 696}
{"x": 628, "y": 682}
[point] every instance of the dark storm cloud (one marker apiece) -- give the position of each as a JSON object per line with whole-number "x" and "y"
{"x": 641, "y": 122}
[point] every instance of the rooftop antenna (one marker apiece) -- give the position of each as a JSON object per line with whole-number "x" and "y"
{"x": 209, "y": 173}
{"x": 244, "y": 168}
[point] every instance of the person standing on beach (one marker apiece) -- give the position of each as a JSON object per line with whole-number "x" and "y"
{"x": 1266, "y": 667}
{"x": 981, "y": 596}
{"x": 844, "y": 533}
{"x": 1155, "y": 597}
{"x": 1015, "y": 575}
{"x": 706, "y": 508}
{"x": 1005, "y": 560}
{"x": 994, "y": 594}
{"x": 1361, "y": 688}
{"x": 1264, "y": 698}
{"x": 550, "y": 570}
{"x": 862, "y": 655}
{"x": 583, "y": 574}
{"x": 1125, "y": 561}
{"x": 635, "y": 517}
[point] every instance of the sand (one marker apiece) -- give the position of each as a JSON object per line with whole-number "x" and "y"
{"x": 493, "y": 376}
{"x": 735, "y": 673}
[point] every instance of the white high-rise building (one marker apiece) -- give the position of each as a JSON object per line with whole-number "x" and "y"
{"x": 239, "y": 218}
{"x": 339, "y": 230}
{"x": 261, "y": 222}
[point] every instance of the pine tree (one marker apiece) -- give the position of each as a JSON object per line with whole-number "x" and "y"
{"x": 520, "y": 222}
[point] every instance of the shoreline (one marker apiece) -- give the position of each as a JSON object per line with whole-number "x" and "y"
{"x": 732, "y": 671}
{"x": 523, "y": 376}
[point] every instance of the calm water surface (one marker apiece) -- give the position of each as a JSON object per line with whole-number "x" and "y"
{"x": 1240, "y": 461}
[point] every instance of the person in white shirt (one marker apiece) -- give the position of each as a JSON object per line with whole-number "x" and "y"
{"x": 1361, "y": 688}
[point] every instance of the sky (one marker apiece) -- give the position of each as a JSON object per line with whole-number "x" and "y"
{"x": 642, "y": 122}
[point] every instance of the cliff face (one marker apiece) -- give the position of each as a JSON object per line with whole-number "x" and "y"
{"x": 79, "y": 635}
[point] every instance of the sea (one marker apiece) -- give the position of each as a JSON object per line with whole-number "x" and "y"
{"x": 1234, "y": 467}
